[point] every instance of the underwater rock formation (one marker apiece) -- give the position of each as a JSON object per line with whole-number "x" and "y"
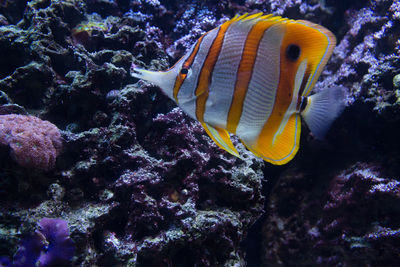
{"x": 140, "y": 183}
{"x": 348, "y": 217}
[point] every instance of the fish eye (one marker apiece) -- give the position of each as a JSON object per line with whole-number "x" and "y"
{"x": 184, "y": 71}
{"x": 293, "y": 52}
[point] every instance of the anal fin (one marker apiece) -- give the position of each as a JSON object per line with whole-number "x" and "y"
{"x": 277, "y": 147}
{"x": 221, "y": 138}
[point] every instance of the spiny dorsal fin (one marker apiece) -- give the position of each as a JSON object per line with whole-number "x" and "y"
{"x": 254, "y": 18}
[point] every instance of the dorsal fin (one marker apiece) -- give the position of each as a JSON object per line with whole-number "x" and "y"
{"x": 254, "y": 18}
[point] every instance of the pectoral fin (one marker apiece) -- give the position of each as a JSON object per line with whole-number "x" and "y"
{"x": 221, "y": 138}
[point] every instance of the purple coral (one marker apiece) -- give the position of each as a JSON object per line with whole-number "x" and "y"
{"x": 50, "y": 245}
{"x": 34, "y": 143}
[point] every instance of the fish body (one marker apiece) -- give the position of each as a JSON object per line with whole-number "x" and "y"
{"x": 252, "y": 76}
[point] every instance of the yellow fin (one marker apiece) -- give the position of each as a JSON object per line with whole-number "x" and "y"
{"x": 279, "y": 149}
{"x": 254, "y": 18}
{"x": 221, "y": 138}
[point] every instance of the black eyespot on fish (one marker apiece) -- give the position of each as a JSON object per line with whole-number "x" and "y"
{"x": 184, "y": 71}
{"x": 293, "y": 52}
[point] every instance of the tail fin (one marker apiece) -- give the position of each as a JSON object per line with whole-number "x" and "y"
{"x": 322, "y": 109}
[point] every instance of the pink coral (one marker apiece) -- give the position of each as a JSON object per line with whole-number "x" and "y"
{"x": 34, "y": 143}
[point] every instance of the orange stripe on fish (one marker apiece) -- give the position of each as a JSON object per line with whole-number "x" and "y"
{"x": 180, "y": 78}
{"x": 245, "y": 71}
{"x": 265, "y": 145}
{"x": 208, "y": 67}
